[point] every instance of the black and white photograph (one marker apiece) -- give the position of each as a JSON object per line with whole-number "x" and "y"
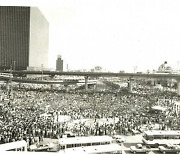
{"x": 90, "y": 76}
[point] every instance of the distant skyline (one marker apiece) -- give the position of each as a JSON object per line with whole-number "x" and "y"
{"x": 114, "y": 34}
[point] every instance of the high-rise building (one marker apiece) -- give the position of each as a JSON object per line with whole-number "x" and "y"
{"x": 59, "y": 64}
{"x": 24, "y": 37}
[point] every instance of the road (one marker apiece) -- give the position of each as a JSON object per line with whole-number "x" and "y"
{"x": 130, "y": 141}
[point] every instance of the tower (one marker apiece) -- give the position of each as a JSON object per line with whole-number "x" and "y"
{"x": 59, "y": 64}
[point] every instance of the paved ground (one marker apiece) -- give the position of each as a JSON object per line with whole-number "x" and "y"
{"x": 130, "y": 141}
{"x": 134, "y": 139}
{"x": 54, "y": 141}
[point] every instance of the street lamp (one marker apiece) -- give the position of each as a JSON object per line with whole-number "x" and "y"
{"x": 10, "y": 82}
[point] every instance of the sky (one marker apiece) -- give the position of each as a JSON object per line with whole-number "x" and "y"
{"x": 114, "y": 34}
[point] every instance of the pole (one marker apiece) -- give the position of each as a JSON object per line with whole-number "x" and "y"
{"x": 86, "y": 83}
{"x": 10, "y": 81}
{"x": 130, "y": 85}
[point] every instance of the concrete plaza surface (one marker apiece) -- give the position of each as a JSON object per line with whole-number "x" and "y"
{"x": 134, "y": 139}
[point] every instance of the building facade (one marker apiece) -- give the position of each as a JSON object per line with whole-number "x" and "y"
{"x": 39, "y": 39}
{"x": 59, "y": 64}
{"x": 21, "y": 40}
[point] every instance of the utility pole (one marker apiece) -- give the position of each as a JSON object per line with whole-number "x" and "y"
{"x": 10, "y": 82}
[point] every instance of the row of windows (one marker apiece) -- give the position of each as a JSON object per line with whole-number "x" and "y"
{"x": 86, "y": 144}
{"x": 151, "y": 138}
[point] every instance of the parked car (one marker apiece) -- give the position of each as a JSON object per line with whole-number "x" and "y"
{"x": 41, "y": 147}
{"x": 169, "y": 148}
{"x": 139, "y": 148}
{"x": 119, "y": 138}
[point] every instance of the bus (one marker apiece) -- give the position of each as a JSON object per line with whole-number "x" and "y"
{"x": 139, "y": 148}
{"x": 65, "y": 143}
{"x": 169, "y": 148}
{"x": 14, "y": 146}
{"x": 99, "y": 149}
{"x": 161, "y": 137}
{"x": 158, "y": 109}
{"x": 9, "y": 75}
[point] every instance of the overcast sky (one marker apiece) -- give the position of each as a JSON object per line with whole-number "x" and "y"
{"x": 114, "y": 34}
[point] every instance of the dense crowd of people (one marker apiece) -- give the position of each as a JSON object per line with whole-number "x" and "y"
{"x": 106, "y": 113}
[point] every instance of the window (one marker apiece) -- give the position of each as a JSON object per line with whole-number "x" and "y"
{"x": 150, "y": 138}
{"x": 158, "y": 136}
{"x": 69, "y": 146}
{"x": 84, "y": 145}
{"x": 62, "y": 147}
{"x": 77, "y": 145}
{"x": 98, "y": 143}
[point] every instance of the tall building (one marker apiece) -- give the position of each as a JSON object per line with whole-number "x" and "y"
{"x": 59, "y": 64}
{"x": 24, "y": 37}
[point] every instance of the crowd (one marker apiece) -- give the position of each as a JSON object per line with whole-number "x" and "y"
{"x": 109, "y": 113}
